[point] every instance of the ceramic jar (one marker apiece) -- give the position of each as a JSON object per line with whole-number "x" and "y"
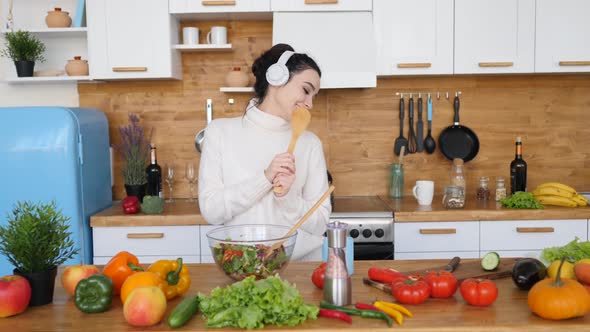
{"x": 77, "y": 67}
{"x": 237, "y": 78}
{"x": 58, "y": 19}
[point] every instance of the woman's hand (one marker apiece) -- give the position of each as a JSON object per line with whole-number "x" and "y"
{"x": 284, "y": 181}
{"x": 283, "y": 163}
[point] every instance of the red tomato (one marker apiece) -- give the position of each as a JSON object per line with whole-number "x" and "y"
{"x": 410, "y": 291}
{"x": 317, "y": 277}
{"x": 479, "y": 292}
{"x": 442, "y": 284}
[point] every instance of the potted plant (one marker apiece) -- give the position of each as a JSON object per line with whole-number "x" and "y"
{"x": 36, "y": 240}
{"x": 134, "y": 148}
{"x": 24, "y": 49}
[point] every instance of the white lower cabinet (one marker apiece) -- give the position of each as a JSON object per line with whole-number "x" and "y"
{"x": 148, "y": 243}
{"x": 517, "y": 238}
{"x": 430, "y": 240}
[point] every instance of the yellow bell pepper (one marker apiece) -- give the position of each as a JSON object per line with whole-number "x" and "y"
{"x": 174, "y": 274}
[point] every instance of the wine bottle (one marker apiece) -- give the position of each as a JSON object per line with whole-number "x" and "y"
{"x": 154, "y": 175}
{"x": 518, "y": 170}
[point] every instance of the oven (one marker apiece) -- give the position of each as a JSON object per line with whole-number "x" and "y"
{"x": 370, "y": 225}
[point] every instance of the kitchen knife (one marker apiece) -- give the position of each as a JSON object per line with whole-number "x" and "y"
{"x": 419, "y": 127}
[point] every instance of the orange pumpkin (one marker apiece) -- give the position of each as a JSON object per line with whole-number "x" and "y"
{"x": 557, "y": 298}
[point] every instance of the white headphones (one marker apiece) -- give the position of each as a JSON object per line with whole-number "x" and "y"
{"x": 278, "y": 73}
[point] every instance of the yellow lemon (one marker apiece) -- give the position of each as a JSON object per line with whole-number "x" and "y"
{"x": 567, "y": 270}
{"x": 583, "y": 261}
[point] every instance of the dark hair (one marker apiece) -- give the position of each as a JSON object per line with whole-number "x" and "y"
{"x": 298, "y": 62}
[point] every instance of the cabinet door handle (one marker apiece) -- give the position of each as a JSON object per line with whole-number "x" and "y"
{"x": 218, "y": 3}
{"x": 414, "y": 65}
{"x": 145, "y": 235}
{"x": 535, "y": 229}
{"x": 320, "y": 2}
{"x": 128, "y": 69}
{"x": 438, "y": 231}
{"x": 496, "y": 64}
{"x": 574, "y": 63}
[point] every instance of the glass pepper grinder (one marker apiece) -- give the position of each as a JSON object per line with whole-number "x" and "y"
{"x": 337, "y": 285}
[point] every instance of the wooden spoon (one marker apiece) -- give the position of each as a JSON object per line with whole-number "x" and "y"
{"x": 278, "y": 244}
{"x": 299, "y": 122}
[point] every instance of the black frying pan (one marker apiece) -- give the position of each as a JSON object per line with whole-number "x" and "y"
{"x": 458, "y": 141}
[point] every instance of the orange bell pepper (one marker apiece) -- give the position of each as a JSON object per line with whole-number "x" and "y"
{"x": 140, "y": 279}
{"x": 174, "y": 274}
{"x": 121, "y": 266}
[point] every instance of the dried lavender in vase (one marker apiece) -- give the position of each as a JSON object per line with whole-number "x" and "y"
{"x": 135, "y": 148}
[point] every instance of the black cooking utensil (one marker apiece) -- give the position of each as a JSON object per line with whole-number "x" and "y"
{"x": 429, "y": 142}
{"x": 419, "y": 127}
{"x": 458, "y": 141}
{"x": 401, "y": 140}
{"x": 412, "y": 134}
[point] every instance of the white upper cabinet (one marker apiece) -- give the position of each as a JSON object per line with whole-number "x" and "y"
{"x": 131, "y": 39}
{"x": 320, "y": 5}
{"x": 218, "y": 6}
{"x": 342, "y": 44}
{"x": 494, "y": 36}
{"x": 563, "y": 36}
{"x": 413, "y": 37}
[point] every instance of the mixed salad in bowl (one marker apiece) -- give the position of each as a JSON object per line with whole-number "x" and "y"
{"x": 242, "y": 251}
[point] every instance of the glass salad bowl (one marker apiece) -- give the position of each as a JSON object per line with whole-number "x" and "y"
{"x": 240, "y": 251}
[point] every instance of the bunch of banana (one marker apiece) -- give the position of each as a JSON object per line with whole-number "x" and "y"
{"x": 555, "y": 193}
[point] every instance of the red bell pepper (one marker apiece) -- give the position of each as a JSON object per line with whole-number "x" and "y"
{"x": 384, "y": 275}
{"x": 130, "y": 205}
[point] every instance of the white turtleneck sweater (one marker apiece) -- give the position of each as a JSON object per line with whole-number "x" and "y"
{"x": 234, "y": 190}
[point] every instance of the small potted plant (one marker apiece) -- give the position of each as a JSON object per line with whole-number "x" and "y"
{"x": 36, "y": 240}
{"x": 134, "y": 148}
{"x": 24, "y": 49}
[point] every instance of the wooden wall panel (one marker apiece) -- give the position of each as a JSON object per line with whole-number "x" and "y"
{"x": 358, "y": 126}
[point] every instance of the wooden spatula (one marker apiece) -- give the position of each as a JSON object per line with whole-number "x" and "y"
{"x": 299, "y": 122}
{"x": 278, "y": 244}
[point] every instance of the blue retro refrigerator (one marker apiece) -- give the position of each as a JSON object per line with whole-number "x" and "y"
{"x": 56, "y": 154}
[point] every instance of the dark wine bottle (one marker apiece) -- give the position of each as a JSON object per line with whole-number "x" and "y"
{"x": 518, "y": 170}
{"x": 154, "y": 175}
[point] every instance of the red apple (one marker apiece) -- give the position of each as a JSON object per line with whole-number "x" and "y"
{"x": 73, "y": 274}
{"x": 145, "y": 306}
{"x": 15, "y": 294}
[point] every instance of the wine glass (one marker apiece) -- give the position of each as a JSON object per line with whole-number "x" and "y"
{"x": 170, "y": 181}
{"x": 190, "y": 176}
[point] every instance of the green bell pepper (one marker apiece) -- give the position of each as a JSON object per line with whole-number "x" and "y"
{"x": 94, "y": 294}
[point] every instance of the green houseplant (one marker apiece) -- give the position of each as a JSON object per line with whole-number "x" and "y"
{"x": 134, "y": 148}
{"x": 24, "y": 49}
{"x": 36, "y": 240}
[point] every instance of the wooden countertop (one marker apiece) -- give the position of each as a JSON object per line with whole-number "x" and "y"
{"x": 509, "y": 313}
{"x": 406, "y": 209}
{"x": 179, "y": 213}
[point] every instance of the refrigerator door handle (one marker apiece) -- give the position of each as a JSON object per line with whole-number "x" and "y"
{"x": 80, "y": 152}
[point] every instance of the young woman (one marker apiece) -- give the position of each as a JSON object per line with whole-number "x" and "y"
{"x": 244, "y": 157}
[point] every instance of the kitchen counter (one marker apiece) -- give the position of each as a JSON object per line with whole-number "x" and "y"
{"x": 509, "y": 313}
{"x": 406, "y": 209}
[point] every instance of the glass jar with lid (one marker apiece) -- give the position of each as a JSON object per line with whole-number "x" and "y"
{"x": 500, "y": 188}
{"x": 458, "y": 173}
{"x": 483, "y": 192}
{"x": 454, "y": 197}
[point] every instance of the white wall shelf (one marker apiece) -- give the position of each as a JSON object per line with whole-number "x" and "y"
{"x": 202, "y": 47}
{"x": 55, "y": 32}
{"x": 47, "y": 79}
{"x": 240, "y": 90}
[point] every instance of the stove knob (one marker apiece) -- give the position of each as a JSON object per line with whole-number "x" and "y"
{"x": 379, "y": 232}
{"x": 367, "y": 233}
{"x": 354, "y": 233}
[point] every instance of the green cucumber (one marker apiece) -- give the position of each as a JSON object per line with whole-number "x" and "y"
{"x": 183, "y": 311}
{"x": 490, "y": 261}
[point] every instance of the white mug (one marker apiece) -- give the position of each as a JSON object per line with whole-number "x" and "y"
{"x": 217, "y": 36}
{"x": 424, "y": 191}
{"x": 190, "y": 35}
